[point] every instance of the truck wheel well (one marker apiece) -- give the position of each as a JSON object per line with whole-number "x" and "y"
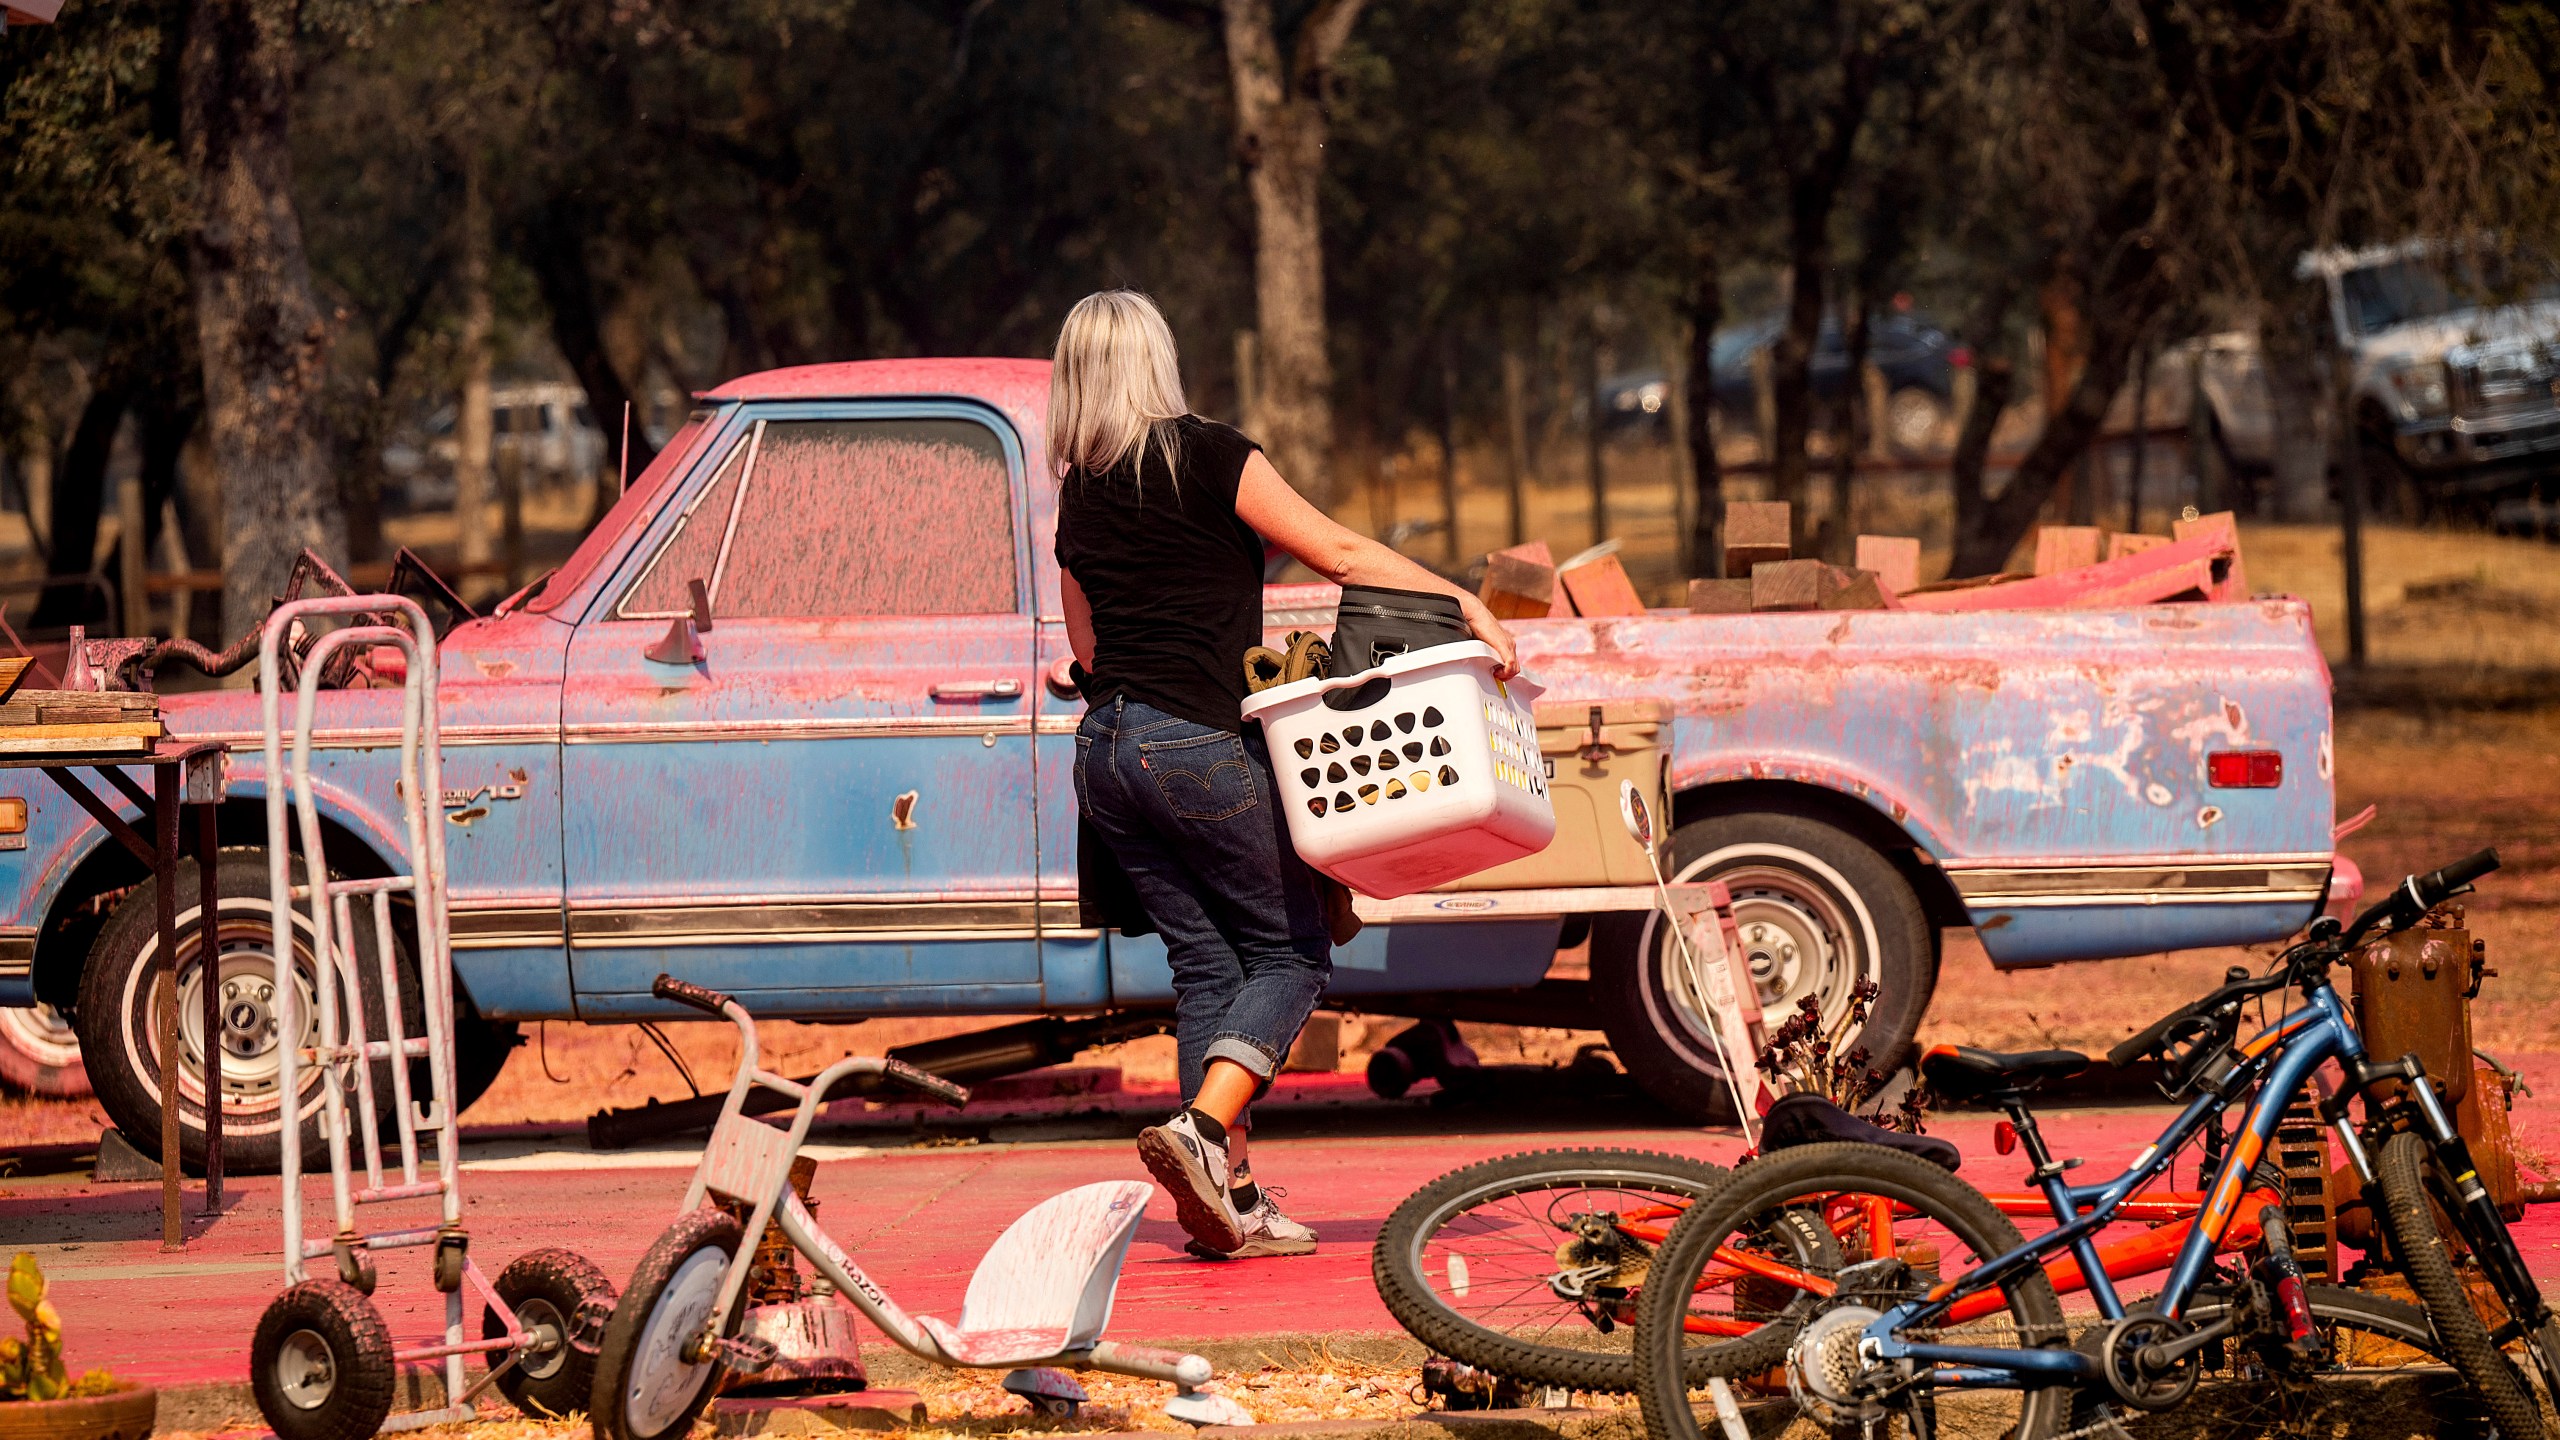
{"x": 1938, "y": 898}
{"x": 71, "y": 927}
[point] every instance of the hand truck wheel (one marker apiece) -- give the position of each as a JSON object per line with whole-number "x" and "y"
{"x": 320, "y": 1364}
{"x": 561, "y": 1301}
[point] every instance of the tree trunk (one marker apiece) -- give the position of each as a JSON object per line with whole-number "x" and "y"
{"x": 265, "y": 345}
{"x": 1450, "y": 548}
{"x": 554, "y": 246}
{"x": 1595, "y": 435}
{"x": 1705, "y": 306}
{"x": 1280, "y": 138}
{"x": 1985, "y": 539}
{"x": 79, "y": 497}
{"x": 1791, "y": 374}
{"x": 1833, "y": 542}
{"x": 472, "y": 436}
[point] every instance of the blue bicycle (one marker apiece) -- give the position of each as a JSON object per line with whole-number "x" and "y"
{"x": 1945, "y": 1322}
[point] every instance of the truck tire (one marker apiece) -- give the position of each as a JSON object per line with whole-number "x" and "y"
{"x": 40, "y": 1054}
{"x": 120, "y": 1038}
{"x": 1819, "y": 910}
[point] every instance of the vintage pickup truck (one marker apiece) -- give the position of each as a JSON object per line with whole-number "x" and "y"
{"x": 857, "y": 802}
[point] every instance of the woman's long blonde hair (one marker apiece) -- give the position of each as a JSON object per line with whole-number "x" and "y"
{"x": 1115, "y": 384}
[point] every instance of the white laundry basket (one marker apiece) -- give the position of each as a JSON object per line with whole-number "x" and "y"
{"x": 1411, "y": 774}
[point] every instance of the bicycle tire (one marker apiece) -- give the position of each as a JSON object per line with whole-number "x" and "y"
{"x": 2364, "y": 1330}
{"x": 1397, "y": 1262}
{"x": 1667, "y": 1369}
{"x": 2408, "y": 1221}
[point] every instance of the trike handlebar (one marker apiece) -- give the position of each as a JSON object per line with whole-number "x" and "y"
{"x": 948, "y": 1092}
{"x": 685, "y": 992}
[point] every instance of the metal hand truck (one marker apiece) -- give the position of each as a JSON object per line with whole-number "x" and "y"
{"x": 322, "y": 1364}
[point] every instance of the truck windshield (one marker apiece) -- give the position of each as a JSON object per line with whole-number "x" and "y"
{"x": 639, "y": 501}
{"x": 2381, "y": 296}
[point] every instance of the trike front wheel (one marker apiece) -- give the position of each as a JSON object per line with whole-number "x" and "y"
{"x": 645, "y": 1388}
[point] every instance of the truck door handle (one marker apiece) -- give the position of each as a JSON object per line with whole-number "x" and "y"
{"x": 977, "y": 690}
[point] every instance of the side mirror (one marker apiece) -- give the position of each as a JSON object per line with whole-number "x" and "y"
{"x": 682, "y": 644}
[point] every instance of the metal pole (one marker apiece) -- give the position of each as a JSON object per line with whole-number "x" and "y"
{"x": 209, "y": 949}
{"x": 164, "y": 866}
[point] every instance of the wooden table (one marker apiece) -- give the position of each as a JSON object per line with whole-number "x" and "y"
{"x": 185, "y": 775}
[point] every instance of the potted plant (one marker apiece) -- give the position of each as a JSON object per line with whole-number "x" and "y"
{"x": 38, "y": 1401}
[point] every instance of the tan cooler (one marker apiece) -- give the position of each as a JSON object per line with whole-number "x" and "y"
{"x": 1589, "y": 748}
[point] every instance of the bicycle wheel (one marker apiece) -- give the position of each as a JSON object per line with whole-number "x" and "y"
{"x": 2411, "y": 1184}
{"x": 2367, "y": 1337}
{"x": 1527, "y": 1266}
{"x": 1940, "y": 1223}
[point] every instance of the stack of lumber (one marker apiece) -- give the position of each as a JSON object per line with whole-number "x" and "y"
{"x": 74, "y": 722}
{"x": 2077, "y": 567}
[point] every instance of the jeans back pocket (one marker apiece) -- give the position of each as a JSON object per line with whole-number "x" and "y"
{"x": 1202, "y": 777}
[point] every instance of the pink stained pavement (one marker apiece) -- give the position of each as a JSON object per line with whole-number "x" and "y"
{"x": 917, "y": 1219}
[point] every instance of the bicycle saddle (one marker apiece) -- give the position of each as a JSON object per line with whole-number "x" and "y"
{"x": 1962, "y": 1072}
{"x": 1812, "y": 1120}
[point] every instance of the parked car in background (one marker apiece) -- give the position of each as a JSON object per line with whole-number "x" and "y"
{"x": 2456, "y": 388}
{"x": 545, "y": 427}
{"x": 858, "y": 802}
{"x": 1917, "y": 361}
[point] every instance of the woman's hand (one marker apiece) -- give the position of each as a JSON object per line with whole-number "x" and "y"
{"x": 1506, "y": 652}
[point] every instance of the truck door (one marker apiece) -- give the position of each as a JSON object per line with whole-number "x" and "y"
{"x": 832, "y": 810}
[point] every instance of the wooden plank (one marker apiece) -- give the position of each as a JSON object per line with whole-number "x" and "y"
{"x": 2067, "y": 547}
{"x": 1720, "y": 597}
{"x": 1756, "y": 533}
{"x": 100, "y": 730}
{"x": 1853, "y": 590}
{"x": 1788, "y": 584}
{"x": 12, "y": 744}
{"x": 1519, "y": 583}
{"x": 1601, "y": 587}
{"x": 2231, "y": 580}
{"x": 13, "y": 673}
{"x": 2121, "y": 544}
{"x": 2163, "y": 572}
{"x": 1894, "y": 559}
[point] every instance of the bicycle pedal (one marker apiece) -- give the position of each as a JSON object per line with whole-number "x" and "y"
{"x": 745, "y": 1355}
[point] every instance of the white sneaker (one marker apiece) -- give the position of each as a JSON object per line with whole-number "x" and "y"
{"x": 1266, "y": 1232}
{"x": 1194, "y": 1171}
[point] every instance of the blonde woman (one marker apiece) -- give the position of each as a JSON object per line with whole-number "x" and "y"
{"x": 1161, "y": 522}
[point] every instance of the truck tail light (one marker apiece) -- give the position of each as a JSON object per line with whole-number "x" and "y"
{"x": 2244, "y": 769}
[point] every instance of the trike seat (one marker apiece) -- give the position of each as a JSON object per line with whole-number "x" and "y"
{"x": 1961, "y": 1072}
{"x": 1043, "y": 1290}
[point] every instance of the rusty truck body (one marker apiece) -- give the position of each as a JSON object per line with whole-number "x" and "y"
{"x": 858, "y": 802}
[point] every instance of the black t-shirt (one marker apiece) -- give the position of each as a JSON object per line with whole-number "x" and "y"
{"x": 1173, "y": 578}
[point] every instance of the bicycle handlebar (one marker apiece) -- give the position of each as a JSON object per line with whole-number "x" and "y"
{"x": 2419, "y": 894}
{"x": 2161, "y": 1029}
{"x": 2407, "y": 901}
{"x": 685, "y": 992}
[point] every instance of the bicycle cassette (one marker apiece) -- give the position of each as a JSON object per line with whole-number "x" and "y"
{"x": 1825, "y": 1373}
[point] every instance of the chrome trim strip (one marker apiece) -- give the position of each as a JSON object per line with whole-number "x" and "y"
{"x": 1059, "y": 724}
{"x": 645, "y": 732}
{"x": 828, "y": 922}
{"x": 17, "y": 954}
{"x": 2217, "y": 883}
{"x": 457, "y": 736}
{"x": 508, "y": 928}
{"x": 2144, "y": 898}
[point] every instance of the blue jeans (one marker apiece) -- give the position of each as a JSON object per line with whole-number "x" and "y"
{"x": 1193, "y": 817}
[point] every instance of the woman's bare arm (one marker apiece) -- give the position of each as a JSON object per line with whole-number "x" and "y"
{"x": 1345, "y": 557}
{"x": 1079, "y": 617}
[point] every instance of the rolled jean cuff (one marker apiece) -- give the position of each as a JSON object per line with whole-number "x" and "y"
{"x": 1246, "y": 1051}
